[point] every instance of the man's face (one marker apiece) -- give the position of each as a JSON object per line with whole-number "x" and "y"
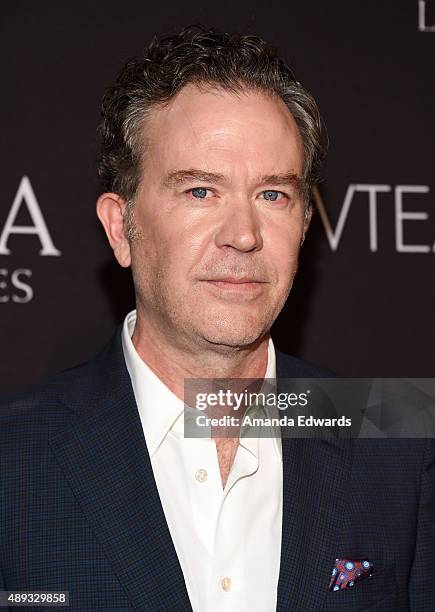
{"x": 219, "y": 216}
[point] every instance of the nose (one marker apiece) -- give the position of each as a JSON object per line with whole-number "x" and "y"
{"x": 240, "y": 228}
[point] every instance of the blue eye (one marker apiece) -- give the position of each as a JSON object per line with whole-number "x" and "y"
{"x": 271, "y": 195}
{"x": 199, "y": 192}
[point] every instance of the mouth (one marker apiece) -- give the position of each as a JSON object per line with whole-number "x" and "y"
{"x": 236, "y": 280}
{"x": 236, "y": 284}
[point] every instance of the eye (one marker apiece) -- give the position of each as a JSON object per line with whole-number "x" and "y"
{"x": 271, "y": 195}
{"x": 199, "y": 193}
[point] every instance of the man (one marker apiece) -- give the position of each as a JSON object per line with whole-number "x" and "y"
{"x": 210, "y": 149}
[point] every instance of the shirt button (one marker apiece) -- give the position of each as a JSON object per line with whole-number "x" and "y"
{"x": 226, "y": 584}
{"x": 201, "y": 475}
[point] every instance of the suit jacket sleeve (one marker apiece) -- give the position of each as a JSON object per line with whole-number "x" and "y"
{"x": 422, "y": 581}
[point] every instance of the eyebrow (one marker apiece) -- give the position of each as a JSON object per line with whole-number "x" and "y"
{"x": 289, "y": 178}
{"x": 179, "y": 177}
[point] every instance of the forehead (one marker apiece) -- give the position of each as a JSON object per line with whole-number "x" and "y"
{"x": 244, "y": 132}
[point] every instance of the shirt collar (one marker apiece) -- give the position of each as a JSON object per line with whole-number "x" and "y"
{"x": 160, "y": 410}
{"x": 158, "y": 407}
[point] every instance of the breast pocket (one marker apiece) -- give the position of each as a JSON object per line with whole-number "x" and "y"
{"x": 377, "y": 593}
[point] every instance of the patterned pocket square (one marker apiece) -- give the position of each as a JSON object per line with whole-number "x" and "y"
{"x": 349, "y": 571}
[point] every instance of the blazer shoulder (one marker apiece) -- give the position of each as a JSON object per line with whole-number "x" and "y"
{"x": 32, "y": 410}
{"x": 51, "y": 396}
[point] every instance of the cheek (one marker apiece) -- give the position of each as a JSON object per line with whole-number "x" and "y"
{"x": 177, "y": 251}
{"x": 283, "y": 251}
{"x": 190, "y": 243}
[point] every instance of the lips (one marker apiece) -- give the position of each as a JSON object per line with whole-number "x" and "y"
{"x": 235, "y": 287}
{"x": 234, "y": 280}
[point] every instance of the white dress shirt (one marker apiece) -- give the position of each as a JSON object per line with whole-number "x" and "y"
{"x": 228, "y": 541}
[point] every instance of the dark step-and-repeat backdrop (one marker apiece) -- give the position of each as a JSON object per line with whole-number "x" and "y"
{"x": 363, "y": 301}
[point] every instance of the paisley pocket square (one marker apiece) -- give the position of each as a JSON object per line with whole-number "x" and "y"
{"x": 347, "y": 572}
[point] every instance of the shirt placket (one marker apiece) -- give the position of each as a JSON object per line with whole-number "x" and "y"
{"x": 227, "y": 586}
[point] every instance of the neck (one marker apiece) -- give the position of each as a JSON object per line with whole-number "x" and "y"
{"x": 173, "y": 362}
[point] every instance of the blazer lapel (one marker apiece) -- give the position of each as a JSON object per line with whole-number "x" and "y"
{"x": 315, "y": 473}
{"x": 103, "y": 454}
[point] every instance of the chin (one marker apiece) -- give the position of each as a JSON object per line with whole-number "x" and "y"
{"x": 232, "y": 334}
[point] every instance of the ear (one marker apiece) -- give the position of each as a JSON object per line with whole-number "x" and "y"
{"x": 308, "y": 213}
{"x": 110, "y": 211}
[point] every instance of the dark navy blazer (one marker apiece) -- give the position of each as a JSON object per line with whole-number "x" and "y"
{"x": 80, "y": 511}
